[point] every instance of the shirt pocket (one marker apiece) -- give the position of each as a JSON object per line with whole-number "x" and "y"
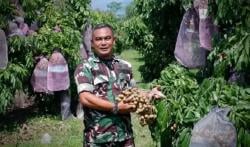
{"x": 99, "y": 76}
{"x": 99, "y": 79}
{"x": 123, "y": 80}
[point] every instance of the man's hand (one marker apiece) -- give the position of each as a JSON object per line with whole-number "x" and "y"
{"x": 155, "y": 93}
{"x": 125, "y": 108}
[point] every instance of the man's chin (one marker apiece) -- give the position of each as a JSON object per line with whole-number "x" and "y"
{"x": 105, "y": 55}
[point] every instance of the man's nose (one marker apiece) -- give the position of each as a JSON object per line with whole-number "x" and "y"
{"x": 103, "y": 41}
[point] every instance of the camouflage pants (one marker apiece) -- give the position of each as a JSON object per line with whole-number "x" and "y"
{"x": 126, "y": 143}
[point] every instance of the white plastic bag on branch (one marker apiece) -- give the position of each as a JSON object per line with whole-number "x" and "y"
{"x": 214, "y": 130}
{"x": 187, "y": 49}
{"x": 58, "y": 72}
{"x": 39, "y": 76}
{"x": 3, "y": 50}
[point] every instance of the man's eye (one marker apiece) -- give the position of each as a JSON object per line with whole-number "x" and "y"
{"x": 98, "y": 39}
{"x": 103, "y": 38}
{"x": 107, "y": 38}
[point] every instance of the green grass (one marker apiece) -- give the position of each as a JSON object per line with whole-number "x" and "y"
{"x": 133, "y": 57}
{"x": 69, "y": 133}
{"x": 63, "y": 133}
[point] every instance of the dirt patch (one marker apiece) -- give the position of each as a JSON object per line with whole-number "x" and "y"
{"x": 13, "y": 124}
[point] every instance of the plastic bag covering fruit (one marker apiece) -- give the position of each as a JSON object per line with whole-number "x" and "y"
{"x": 39, "y": 76}
{"x": 187, "y": 50}
{"x": 3, "y": 50}
{"x": 58, "y": 73}
{"x": 214, "y": 130}
{"x": 206, "y": 30}
{"x": 206, "y": 26}
{"x": 86, "y": 46}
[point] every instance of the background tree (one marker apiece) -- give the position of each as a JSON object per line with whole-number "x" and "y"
{"x": 114, "y": 7}
{"x": 161, "y": 26}
{"x": 22, "y": 50}
{"x": 153, "y": 31}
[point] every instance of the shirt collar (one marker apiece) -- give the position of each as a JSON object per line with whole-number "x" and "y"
{"x": 97, "y": 59}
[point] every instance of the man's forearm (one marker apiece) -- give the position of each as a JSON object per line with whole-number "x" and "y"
{"x": 92, "y": 101}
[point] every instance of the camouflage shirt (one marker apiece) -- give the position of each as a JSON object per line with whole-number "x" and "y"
{"x": 105, "y": 81}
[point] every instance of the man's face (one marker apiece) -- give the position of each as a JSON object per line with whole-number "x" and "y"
{"x": 102, "y": 42}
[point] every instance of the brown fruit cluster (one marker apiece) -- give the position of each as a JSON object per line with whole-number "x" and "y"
{"x": 143, "y": 106}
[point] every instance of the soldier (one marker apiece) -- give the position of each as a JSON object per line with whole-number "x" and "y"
{"x": 99, "y": 81}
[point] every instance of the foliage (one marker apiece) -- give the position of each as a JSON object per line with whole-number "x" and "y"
{"x": 18, "y": 70}
{"x": 188, "y": 97}
{"x": 232, "y": 17}
{"x": 138, "y": 35}
{"x": 158, "y": 40}
{"x": 6, "y": 11}
{"x": 130, "y": 10}
{"x": 104, "y": 17}
{"x": 187, "y": 102}
{"x": 231, "y": 51}
{"x": 114, "y": 6}
{"x": 23, "y": 50}
{"x": 29, "y": 6}
{"x": 230, "y": 14}
{"x": 11, "y": 80}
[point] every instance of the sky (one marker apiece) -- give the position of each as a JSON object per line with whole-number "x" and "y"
{"x": 102, "y": 4}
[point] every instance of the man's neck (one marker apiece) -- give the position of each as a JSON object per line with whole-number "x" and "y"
{"x": 106, "y": 58}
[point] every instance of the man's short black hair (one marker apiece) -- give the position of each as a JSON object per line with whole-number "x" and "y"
{"x": 103, "y": 25}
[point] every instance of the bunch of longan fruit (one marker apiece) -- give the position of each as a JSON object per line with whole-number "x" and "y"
{"x": 144, "y": 108}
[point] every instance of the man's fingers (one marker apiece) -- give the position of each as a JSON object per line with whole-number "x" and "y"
{"x": 157, "y": 94}
{"x": 160, "y": 94}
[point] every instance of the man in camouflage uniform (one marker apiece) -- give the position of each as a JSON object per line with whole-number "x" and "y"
{"x": 99, "y": 81}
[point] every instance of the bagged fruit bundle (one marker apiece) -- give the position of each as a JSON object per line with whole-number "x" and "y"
{"x": 214, "y": 130}
{"x": 187, "y": 49}
{"x": 39, "y": 76}
{"x": 58, "y": 73}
